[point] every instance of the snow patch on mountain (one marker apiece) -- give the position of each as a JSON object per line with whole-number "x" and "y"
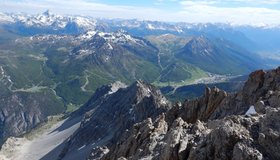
{"x": 4, "y": 18}
{"x": 251, "y": 111}
{"x": 119, "y": 37}
{"x": 48, "y": 19}
{"x": 88, "y": 35}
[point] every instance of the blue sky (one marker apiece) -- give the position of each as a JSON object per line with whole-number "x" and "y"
{"x": 226, "y": 11}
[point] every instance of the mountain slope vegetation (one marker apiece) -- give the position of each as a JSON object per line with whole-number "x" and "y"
{"x": 51, "y": 64}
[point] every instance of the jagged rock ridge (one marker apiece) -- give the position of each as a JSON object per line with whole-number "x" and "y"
{"x": 212, "y": 127}
{"x": 112, "y": 113}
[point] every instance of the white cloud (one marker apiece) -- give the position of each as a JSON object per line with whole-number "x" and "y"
{"x": 253, "y": 2}
{"x": 188, "y": 10}
{"x": 260, "y": 1}
{"x": 201, "y": 2}
{"x": 78, "y": 7}
{"x": 203, "y": 12}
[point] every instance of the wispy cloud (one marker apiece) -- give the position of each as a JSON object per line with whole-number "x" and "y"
{"x": 79, "y": 7}
{"x": 235, "y": 11}
{"x": 204, "y": 11}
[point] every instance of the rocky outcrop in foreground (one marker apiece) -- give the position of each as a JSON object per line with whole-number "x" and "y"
{"x": 243, "y": 126}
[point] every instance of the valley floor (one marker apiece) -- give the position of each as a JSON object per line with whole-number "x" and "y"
{"x": 39, "y": 146}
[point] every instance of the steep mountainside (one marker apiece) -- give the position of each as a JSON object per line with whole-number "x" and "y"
{"x": 137, "y": 122}
{"x": 22, "y": 111}
{"x": 27, "y": 96}
{"x": 101, "y": 59}
{"x": 210, "y": 55}
{"x": 216, "y": 126}
{"x": 101, "y": 47}
{"x": 111, "y": 114}
{"x": 81, "y": 64}
{"x": 173, "y": 69}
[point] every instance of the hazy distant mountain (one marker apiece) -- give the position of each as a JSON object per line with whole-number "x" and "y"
{"x": 46, "y": 23}
{"x": 265, "y": 38}
{"x": 210, "y": 55}
{"x": 249, "y": 37}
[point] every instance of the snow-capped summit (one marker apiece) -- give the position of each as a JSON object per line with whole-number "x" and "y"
{"x": 46, "y": 19}
{"x": 83, "y": 21}
{"x": 49, "y": 19}
{"x": 87, "y": 35}
{"x": 46, "y": 13}
{"x": 120, "y": 36}
{"x": 111, "y": 43}
{"x": 4, "y": 18}
{"x": 48, "y": 22}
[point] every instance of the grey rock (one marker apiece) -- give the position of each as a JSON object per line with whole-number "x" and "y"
{"x": 213, "y": 126}
{"x": 20, "y": 112}
{"x": 269, "y": 137}
{"x": 98, "y": 152}
{"x": 111, "y": 114}
{"x": 220, "y": 142}
{"x": 243, "y": 151}
{"x": 260, "y": 107}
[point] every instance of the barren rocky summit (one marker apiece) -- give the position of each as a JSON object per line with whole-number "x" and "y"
{"x": 217, "y": 125}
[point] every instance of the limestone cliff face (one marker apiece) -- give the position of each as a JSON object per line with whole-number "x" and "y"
{"x": 213, "y": 126}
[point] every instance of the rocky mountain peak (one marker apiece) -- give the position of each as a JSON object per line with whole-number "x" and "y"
{"x": 210, "y": 54}
{"x": 121, "y": 31}
{"x": 200, "y": 45}
{"x": 99, "y": 95}
{"x": 112, "y": 44}
{"x": 46, "y": 13}
{"x": 144, "y": 90}
{"x": 116, "y": 86}
{"x": 112, "y": 113}
{"x": 213, "y": 126}
{"x": 50, "y": 23}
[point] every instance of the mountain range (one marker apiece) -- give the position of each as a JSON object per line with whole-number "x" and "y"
{"x": 46, "y": 22}
{"x": 52, "y": 64}
{"x": 249, "y": 37}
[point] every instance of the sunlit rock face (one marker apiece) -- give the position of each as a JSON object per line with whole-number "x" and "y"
{"x": 218, "y": 125}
